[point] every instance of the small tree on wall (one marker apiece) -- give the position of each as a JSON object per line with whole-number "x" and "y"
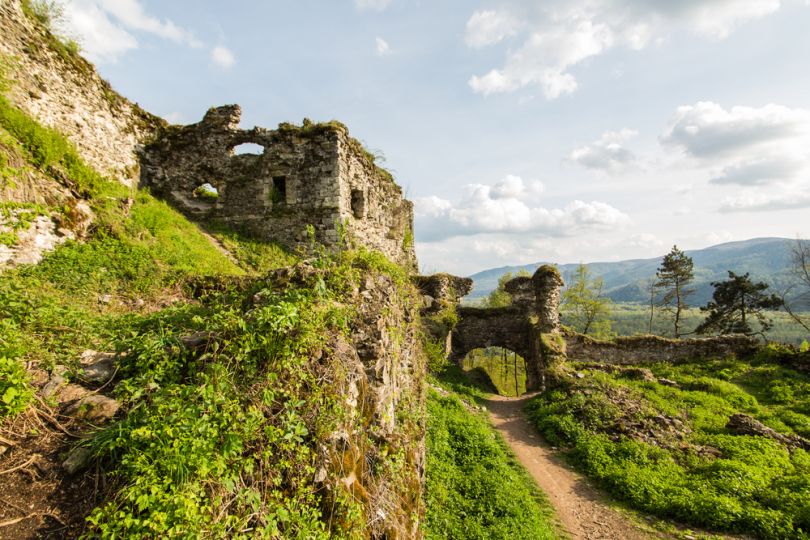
{"x": 735, "y": 303}
{"x": 673, "y": 277}
{"x": 584, "y": 306}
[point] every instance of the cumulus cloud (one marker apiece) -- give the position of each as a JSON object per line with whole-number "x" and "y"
{"x": 223, "y": 57}
{"x": 510, "y": 206}
{"x": 372, "y": 5}
{"x": 743, "y": 146}
{"x": 489, "y": 27}
{"x": 707, "y": 130}
{"x": 104, "y": 27}
{"x": 764, "y": 151}
{"x": 559, "y": 34}
{"x": 766, "y": 201}
{"x": 381, "y": 47}
{"x": 608, "y": 153}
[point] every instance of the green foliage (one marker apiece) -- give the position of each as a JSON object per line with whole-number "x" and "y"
{"x": 190, "y": 459}
{"x": 14, "y": 390}
{"x": 505, "y": 369}
{"x": 735, "y": 302}
{"x": 499, "y": 297}
{"x": 407, "y": 240}
{"x": 206, "y": 192}
{"x": 223, "y": 442}
{"x": 673, "y": 277}
{"x": 583, "y": 306}
{"x": 741, "y": 485}
{"x": 475, "y": 488}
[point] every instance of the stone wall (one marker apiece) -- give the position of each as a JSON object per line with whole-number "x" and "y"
{"x": 312, "y": 175}
{"x": 62, "y": 90}
{"x": 529, "y": 326}
{"x": 640, "y": 350}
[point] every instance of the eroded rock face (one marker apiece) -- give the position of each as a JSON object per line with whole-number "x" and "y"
{"x": 377, "y": 371}
{"x": 66, "y": 93}
{"x": 297, "y": 176}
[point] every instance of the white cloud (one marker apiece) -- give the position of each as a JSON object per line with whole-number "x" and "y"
{"x": 223, "y": 57}
{"x": 608, "y": 153}
{"x": 105, "y": 27}
{"x": 489, "y": 27}
{"x": 381, "y": 47}
{"x": 764, "y": 151}
{"x": 559, "y": 34}
{"x": 766, "y": 201}
{"x": 373, "y": 5}
{"x": 100, "y": 38}
{"x": 707, "y": 130}
{"x": 744, "y": 146}
{"x": 510, "y": 207}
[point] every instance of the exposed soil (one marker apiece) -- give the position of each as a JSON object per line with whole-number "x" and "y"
{"x": 584, "y": 512}
{"x": 37, "y": 498}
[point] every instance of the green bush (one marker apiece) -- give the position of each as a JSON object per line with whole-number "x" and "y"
{"x": 14, "y": 390}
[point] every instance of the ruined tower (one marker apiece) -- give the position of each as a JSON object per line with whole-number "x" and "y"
{"x": 311, "y": 175}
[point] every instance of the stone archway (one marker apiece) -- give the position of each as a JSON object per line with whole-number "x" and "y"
{"x": 530, "y": 326}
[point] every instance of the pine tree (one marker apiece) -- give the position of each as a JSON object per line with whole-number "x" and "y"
{"x": 673, "y": 276}
{"x": 735, "y": 303}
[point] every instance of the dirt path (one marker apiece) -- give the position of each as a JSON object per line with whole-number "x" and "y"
{"x": 582, "y": 510}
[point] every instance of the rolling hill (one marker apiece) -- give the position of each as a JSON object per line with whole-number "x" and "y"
{"x": 767, "y": 259}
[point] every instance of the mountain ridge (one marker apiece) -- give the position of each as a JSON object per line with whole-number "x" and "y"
{"x": 766, "y": 258}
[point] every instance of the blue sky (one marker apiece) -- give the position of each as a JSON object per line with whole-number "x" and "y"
{"x": 563, "y": 130}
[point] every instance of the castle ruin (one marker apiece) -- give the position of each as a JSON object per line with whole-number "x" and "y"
{"x": 311, "y": 175}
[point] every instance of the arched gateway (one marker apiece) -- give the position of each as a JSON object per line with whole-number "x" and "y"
{"x": 530, "y": 326}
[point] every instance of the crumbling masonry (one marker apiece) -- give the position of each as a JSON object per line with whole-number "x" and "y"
{"x": 312, "y": 175}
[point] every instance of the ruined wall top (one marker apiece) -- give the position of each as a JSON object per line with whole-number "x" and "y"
{"x": 294, "y": 177}
{"x": 441, "y": 290}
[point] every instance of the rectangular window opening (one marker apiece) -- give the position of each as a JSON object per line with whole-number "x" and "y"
{"x": 279, "y": 194}
{"x": 358, "y": 203}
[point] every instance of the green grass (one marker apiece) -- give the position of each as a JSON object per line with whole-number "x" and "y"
{"x": 475, "y": 487}
{"x": 710, "y": 477}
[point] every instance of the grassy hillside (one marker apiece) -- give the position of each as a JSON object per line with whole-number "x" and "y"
{"x": 666, "y": 448}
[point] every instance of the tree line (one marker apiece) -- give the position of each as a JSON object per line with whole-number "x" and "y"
{"x": 737, "y": 302}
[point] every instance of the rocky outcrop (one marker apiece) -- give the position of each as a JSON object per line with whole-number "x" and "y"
{"x": 743, "y": 424}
